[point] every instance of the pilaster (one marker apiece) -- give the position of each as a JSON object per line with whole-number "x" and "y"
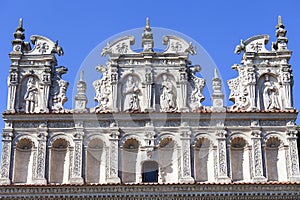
{"x": 6, "y": 156}
{"x": 40, "y": 177}
{"x": 76, "y": 174}
{"x": 113, "y": 155}
{"x": 258, "y": 173}
{"x": 293, "y": 155}
{"x": 185, "y": 138}
{"x": 222, "y": 157}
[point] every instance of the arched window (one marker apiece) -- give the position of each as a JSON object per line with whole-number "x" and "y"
{"x": 129, "y": 161}
{"x": 275, "y": 162}
{"x": 168, "y": 160}
{"x": 59, "y": 161}
{"x": 150, "y": 172}
{"x": 239, "y": 160}
{"x": 203, "y": 161}
{"x": 95, "y": 162}
{"x": 23, "y": 161}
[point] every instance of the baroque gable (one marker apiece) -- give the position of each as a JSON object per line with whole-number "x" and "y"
{"x": 149, "y": 124}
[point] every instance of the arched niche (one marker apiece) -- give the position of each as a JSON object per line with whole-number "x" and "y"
{"x": 131, "y": 93}
{"x": 23, "y": 163}
{"x": 203, "y": 160}
{"x": 29, "y": 94}
{"x": 130, "y": 149}
{"x": 268, "y": 92}
{"x": 95, "y": 161}
{"x": 168, "y": 160}
{"x": 239, "y": 159}
{"x": 166, "y": 93}
{"x": 275, "y": 159}
{"x": 60, "y": 161}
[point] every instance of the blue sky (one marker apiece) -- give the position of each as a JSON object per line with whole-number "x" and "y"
{"x": 81, "y": 25}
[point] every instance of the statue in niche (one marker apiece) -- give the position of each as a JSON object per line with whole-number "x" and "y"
{"x": 30, "y": 97}
{"x": 102, "y": 93}
{"x": 270, "y": 95}
{"x": 167, "y": 102}
{"x": 131, "y": 92}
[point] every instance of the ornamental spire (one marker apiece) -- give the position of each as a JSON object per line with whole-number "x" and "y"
{"x": 281, "y": 43}
{"x": 217, "y": 96}
{"x": 19, "y": 34}
{"x": 147, "y": 38}
{"x": 81, "y": 98}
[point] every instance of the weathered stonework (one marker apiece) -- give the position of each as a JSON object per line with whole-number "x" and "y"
{"x": 149, "y": 125}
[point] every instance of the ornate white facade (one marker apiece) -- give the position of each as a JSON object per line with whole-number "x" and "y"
{"x": 150, "y": 125}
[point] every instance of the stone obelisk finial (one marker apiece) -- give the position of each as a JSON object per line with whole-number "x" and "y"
{"x": 81, "y": 98}
{"x": 147, "y": 38}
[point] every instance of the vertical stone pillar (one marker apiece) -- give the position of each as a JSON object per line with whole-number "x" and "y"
{"x": 222, "y": 157}
{"x": 182, "y": 104}
{"x": 258, "y": 173}
{"x": 293, "y": 156}
{"x": 40, "y": 177}
{"x": 114, "y": 87}
{"x": 76, "y": 173}
{"x": 113, "y": 155}
{"x": 286, "y": 82}
{"x": 7, "y": 135}
{"x": 186, "y": 176}
{"x": 149, "y": 91}
{"x": 12, "y": 88}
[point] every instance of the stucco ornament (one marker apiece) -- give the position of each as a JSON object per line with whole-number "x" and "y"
{"x": 103, "y": 91}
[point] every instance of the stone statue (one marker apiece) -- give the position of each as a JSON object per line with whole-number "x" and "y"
{"x": 30, "y": 96}
{"x": 167, "y": 102}
{"x": 102, "y": 93}
{"x": 196, "y": 95}
{"x": 59, "y": 89}
{"x": 131, "y": 92}
{"x": 270, "y": 95}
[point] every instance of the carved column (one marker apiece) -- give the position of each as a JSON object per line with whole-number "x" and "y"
{"x": 41, "y": 155}
{"x": 258, "y": 173}
{"x": 114, "y": 87}
{"x": 12, "y": 87}
{"x": 293, "y": 156}
{"x": 186, "y": 176}
{"x": 286, "y": 82}
{"x": 76, "y": 173}
{"x": 222, "y": 157}
{"x": 252, "y": 81}
{"x": 6, "y": 156}
{"x": 148, "y": 88}
{"x": 46, "y": 88}
{"x": 113, "y": 156}
{"x": 183, "y": 86}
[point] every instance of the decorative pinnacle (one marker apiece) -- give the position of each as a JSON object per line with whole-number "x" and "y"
{"x": 81, "y": 75}
{"x": 147, "y": 23}
{"x": 279, "y": 24}
{"x": 147, "y": 37}
{"x": 20, "y": 26}
{"x": 216, "y": 74}
{"x": 19, "y": 34}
